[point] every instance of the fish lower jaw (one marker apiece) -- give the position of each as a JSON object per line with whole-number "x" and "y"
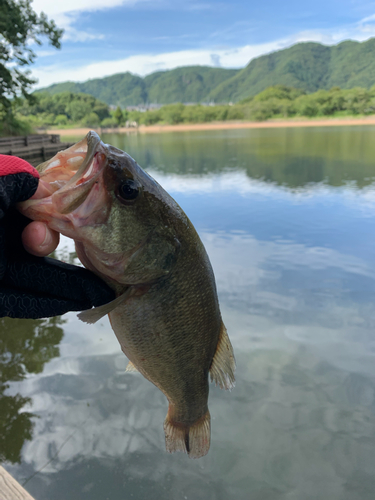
{"x": 67, "y": 224}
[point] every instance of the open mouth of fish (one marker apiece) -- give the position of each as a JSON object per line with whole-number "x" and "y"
{"x": 70, "y": 192}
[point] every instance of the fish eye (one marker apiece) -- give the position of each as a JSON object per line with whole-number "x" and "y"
{"x": 128, "y": 191}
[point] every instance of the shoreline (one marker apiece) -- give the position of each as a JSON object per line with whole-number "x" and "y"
{"x": 186, "y": 127}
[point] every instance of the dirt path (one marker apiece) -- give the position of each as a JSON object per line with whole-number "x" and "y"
{"x": 327, "y": 122}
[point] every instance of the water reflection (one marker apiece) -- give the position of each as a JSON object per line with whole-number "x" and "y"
{"x": 287, "y": 218}
{"x": 25, "y": 347}
{"x": 294, "y": 157}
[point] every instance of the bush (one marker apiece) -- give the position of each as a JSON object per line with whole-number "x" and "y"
{"x": 109, "y": 122}
{"x": 278, "y": 92}
{"x": 306, "y": 106}
{"x": 12, "y": 125}
{"x": 91, "y": 120}
{"x": 198, "y": 114}
{"x": 259, "y": 111}
{"x": 48, "y": 118}
{"x": 235, "y": 113}
{"x": 61, "y": 120}
{"x": 222, "y": 112}
{"x": 102, "y": 111}
{"x": 172, "y": 113}
{"x": 150, "y": 117}
{"x": 34, "y": 121}
{"x": 135, "y": 116}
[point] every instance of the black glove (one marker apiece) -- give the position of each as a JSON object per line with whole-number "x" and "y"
{"x": 36, "y": 287}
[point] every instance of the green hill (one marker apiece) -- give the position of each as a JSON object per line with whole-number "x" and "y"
{"x": 187, "y": 84}
{"x": 123, "y": 89}
{"x": 306, "y": 66}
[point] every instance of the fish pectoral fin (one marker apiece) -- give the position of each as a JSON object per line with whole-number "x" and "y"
{"x": 95, "y": 314}
{"x": 131, "y": 368}
{"x": 223, "y": 364}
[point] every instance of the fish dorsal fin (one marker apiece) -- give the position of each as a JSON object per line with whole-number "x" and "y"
{"x": 131, "y": 368}
{"x": 223, "y": 364}
{"x": 95, "y": 314}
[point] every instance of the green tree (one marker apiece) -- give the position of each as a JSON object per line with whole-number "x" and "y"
{"x": 118, "y": 116}
{"x": 62, "y": 109}
{"x": 91, "y": 120}
{"x": 20, "y": 25}
{"x": 108, "y": 122}
{"x": 172, "y": 113}
{"x": 77, "y": 110}
{"x": 10, "y": 125}
{"x": 61, "y": 120}
{"x": 102, "y": 111}
{"x": 151, "y": 117}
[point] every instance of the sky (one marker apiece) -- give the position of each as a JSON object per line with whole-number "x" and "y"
{"x": 104, "y": 37}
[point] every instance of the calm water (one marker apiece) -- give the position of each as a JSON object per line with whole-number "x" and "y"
{"x": 288, "y": 220}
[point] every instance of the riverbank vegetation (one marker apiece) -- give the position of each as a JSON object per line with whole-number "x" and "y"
{"x": 68, "y": 109}
{"x": 273, "y": 103}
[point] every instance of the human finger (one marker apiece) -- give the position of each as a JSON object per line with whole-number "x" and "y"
{"x": 39, "y": 240}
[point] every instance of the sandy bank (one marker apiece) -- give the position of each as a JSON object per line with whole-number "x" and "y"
{"x": 328, "y": 122}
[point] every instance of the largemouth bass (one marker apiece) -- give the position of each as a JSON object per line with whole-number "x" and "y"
{"x": 131, "y": 233}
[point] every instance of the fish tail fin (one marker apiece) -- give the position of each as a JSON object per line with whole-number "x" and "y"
{"x": 223, "y": 364}
{"x": 191, "y": 439}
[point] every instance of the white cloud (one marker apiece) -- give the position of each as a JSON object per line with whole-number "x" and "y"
{"x": 367, "y": 19}
{"x": 65, "y": 13}
{"x": 45, "y": 53}
{"x": 56, "y": 8}
{"x": 75, "y": 35}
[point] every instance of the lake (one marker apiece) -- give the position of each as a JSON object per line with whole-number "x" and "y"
{"x": 288, "y": 220}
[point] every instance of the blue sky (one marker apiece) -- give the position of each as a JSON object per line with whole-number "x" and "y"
{"x": 104, "y": 37}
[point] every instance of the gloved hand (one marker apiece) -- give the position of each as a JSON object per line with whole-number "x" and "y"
{"x": 30, "y": 286}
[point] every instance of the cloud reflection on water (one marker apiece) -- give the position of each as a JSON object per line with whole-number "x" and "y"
{"x": 300, "y": 422}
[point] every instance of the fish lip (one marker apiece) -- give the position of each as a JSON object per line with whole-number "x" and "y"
{"x": 74, "y": 192}
{"x": 93, "y": 144}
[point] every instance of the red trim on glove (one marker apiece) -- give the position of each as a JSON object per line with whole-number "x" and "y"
{"x": 14, "y": 165}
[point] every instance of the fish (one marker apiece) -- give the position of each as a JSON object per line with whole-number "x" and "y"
{"x": 131, "y": 233}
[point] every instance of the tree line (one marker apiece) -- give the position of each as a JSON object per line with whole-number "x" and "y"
{"x": 69, "y": 109}
{"x": 274, "y": 102}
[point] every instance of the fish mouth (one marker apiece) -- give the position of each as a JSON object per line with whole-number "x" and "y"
{"x": 71, "y": 186}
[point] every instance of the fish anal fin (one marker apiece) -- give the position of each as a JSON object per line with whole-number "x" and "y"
{"x": 191, "y": 439}
{"x": 223, "y": 364}
{"x": 131, "y": 368}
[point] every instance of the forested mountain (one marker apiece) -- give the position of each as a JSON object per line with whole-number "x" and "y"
{"x": 123, "y": 89}
{"x": 186, "y": 84}
{"x": 307, "y": 66}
